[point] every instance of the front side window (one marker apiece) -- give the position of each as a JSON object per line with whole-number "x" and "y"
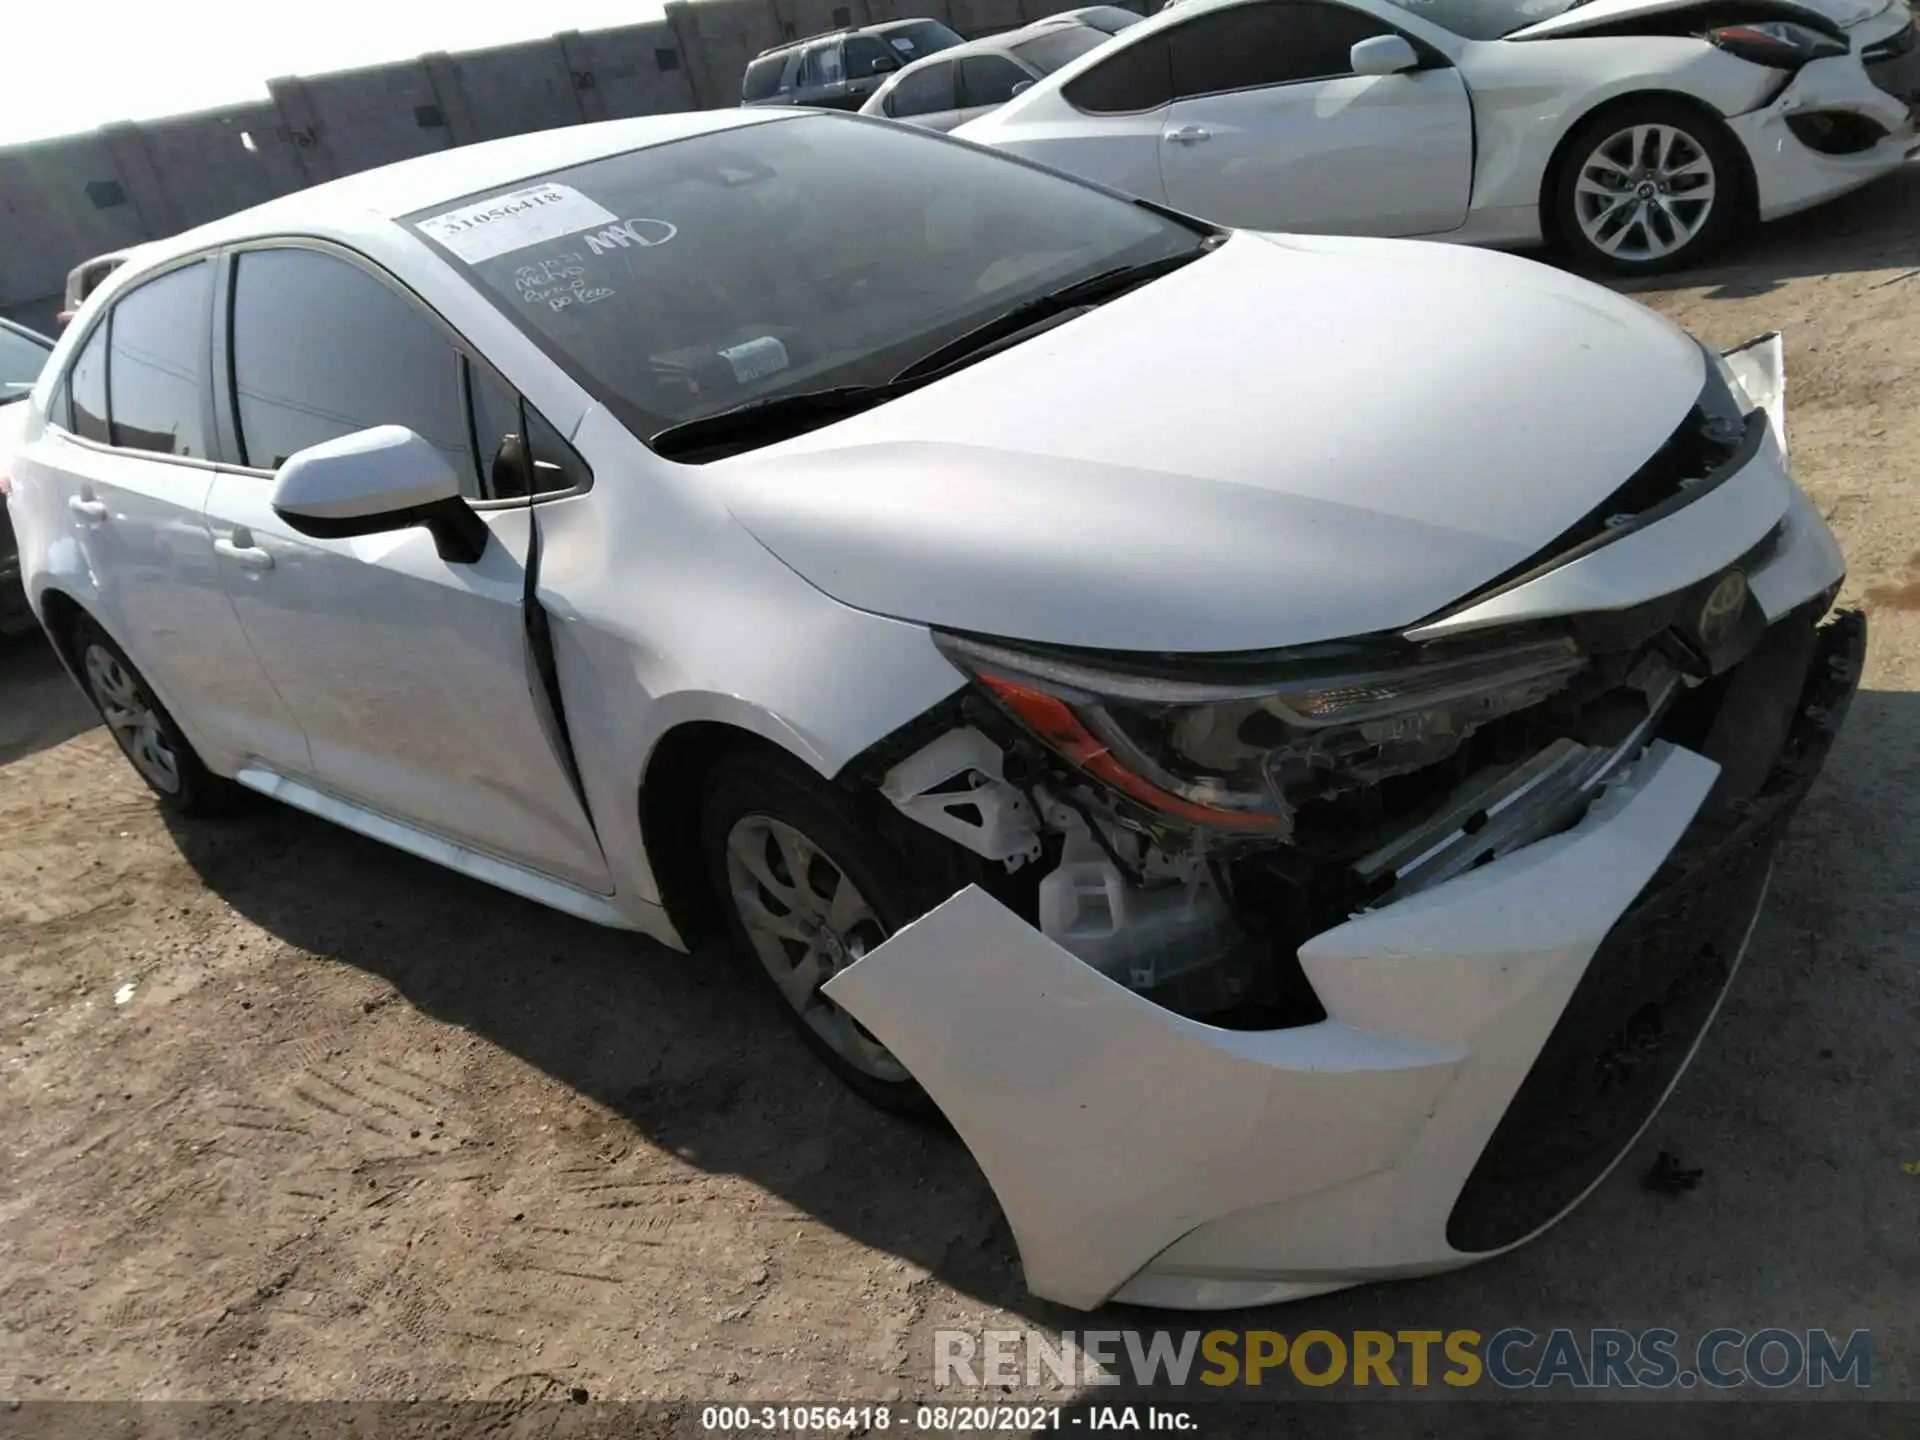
{"x": 87, "y": 388}
{"x": 322, "y": 349}
{"x": 925, "y": 91}
{"x": 519, "y": 451}
{"x": 1137, "y": 79}
{"x": 991, "y": 79}
{"x": 759, "y": 261}
{"x": 21, "y": 361}
{"x": 1278, "y": 42}
{"x": 157, "y": 363}
{"x": 862, "y": 52}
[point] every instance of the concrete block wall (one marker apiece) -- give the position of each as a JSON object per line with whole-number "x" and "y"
{"x": 66, "y": 199}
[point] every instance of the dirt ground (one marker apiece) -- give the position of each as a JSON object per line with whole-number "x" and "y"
{"x": 286, "y": 1114}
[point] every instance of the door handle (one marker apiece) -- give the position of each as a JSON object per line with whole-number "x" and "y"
{"x": 247, "y": 557}
{"x": 1189, "y": 135}
{"x": 87, "y": 509}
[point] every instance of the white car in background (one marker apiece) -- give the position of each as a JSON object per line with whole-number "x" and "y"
{"x": 1296, "y": 824}
{"x": 963, "y": 83}
{"x": 1637, "y": 133}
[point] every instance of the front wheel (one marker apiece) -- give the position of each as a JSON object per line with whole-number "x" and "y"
{"x": 1647, "y": 187}
{"x": 810, "y": 884}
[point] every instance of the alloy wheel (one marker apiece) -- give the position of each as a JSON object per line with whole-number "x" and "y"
{"x": 806, "y": 921}
{"x": 130, "y": 714}
{"x": 1645, "y": 192}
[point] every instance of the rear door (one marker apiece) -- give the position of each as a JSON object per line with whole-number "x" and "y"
{"x": 411, "y": 675}
{"x": 133, "y": 443}
{"x": 1270, "y": 129}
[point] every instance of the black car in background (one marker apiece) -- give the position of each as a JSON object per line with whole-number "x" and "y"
{"x": 839, "y": 70}
{"x": 23, "y": 353}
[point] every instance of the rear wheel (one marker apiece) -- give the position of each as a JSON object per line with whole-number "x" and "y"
{"x": 146, "y": 734}
{"x": 809, "y": 886}
{"x": 1651, "y": 185}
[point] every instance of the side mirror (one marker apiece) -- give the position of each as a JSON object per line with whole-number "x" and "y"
{"x": 885, "y": 65}
{"x": 1383, "y": 55}
{"x": 1021, "y": 88}
{"x": 374, "y": 481}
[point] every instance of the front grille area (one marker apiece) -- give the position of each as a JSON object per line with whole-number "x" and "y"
{"x": 1653, "y": 984}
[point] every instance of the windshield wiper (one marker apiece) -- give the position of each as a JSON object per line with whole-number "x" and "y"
{"x": 777, "y": 416}
{"x": 1093, "y": 290}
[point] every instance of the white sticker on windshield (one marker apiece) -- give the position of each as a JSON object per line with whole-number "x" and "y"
{"x": 514, "y": 221}
{"x": 756, "y": 358}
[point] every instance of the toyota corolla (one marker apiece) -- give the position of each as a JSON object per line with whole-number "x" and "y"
{"x": 1280, "y": 740}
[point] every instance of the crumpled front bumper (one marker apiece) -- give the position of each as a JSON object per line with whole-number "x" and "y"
{"x": 1788, "y": 175}
{"x": 1492, "y": 1044}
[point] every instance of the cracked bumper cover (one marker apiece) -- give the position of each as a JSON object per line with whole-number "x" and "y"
{"x": 1789, "y": 176}
{"x": 1492, "y": 1044}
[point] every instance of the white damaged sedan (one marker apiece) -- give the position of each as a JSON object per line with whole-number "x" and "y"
{"x": 1280, "y": 740}
{"x": 1638, "y": 133}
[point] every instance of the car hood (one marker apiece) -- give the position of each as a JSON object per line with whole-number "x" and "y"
{"x": 1292, "y": 439}
{"x": 1844, "y": 13}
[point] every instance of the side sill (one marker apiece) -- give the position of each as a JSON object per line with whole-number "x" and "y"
{"x": 502, "y": 874}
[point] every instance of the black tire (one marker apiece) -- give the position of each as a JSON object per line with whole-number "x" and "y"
{"x": 1655, "y": 217}
{"x": 196, "y": 790}
{"x": 900, "y": 876}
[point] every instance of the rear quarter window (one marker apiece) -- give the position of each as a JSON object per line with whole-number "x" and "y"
{"x": 762, "y": 80}
{"x": 1139, "y": 78}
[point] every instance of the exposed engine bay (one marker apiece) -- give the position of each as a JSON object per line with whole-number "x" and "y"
{"x": 1183, "y": 825}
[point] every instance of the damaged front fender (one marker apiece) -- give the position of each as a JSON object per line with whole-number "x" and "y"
{"x": 1293, "y": 1160}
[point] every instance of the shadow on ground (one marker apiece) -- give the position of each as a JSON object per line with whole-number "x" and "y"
{"x": 40, "y": 706}
{"x": 1875, "y": 228}
{"x": 1794, "y": 1109}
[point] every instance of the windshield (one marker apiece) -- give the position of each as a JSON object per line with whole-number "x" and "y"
{"x": 915, "y": 38}
{"x": 1055, "y": 47}
{"x": 763, "y": 260}
{"x": 1486, "y": 19}
{"x": 21, "y": 360}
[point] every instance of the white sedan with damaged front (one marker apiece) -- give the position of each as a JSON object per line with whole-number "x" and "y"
{"x": 1637, "y": 133}
{"x": 1296, "y": 824}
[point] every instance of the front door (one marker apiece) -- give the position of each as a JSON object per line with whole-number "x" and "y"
{"x": 409, "y": 674}
{"x": 1269, "y": 130}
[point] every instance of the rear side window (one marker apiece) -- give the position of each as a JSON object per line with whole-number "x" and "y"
{"x": 1137, "y": 79}
{"x": 322, "y": 349}
{"x": 1048, "y": 51}
{"x": 762, "y": 80}
{"x": 926, "y": 91}
{"x": 87, "y": 388}
{"x": 989, "y": 79}
{"x": 1252, "y": 46}
{"x": 823, "y": 66}
{"x": 157, "y": 364}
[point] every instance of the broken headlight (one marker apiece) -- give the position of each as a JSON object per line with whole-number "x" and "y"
{"x": 1243, "y": 747}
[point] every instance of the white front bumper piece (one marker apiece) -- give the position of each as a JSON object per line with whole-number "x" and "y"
{"x": 1492, "y": 1043}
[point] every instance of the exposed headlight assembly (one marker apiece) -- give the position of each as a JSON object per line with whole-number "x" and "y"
{"x": 1243, "y": 751}
{"x": 1777, "y": 44}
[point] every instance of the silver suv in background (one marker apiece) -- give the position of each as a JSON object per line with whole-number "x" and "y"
{"x": 23, "y": 355}
{"x": 839, "y": 70}
{"x": 85, "y": 278}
